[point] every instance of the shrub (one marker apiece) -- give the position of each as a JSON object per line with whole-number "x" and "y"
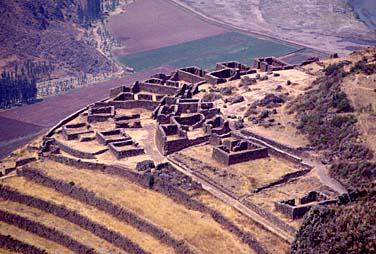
{"x": 151, "y": 181}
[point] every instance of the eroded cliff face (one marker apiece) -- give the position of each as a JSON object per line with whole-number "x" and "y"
{"x": 50, "y": 31}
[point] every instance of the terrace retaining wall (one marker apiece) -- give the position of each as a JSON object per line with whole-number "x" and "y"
{"x": 122, "y": 213}
{"x": 9, "y": 243}
{"x": 74, "y": 217}
{"x": 74, "y": 152}
{"x": 45, "y": 232}
{"x": 170, "y": 191}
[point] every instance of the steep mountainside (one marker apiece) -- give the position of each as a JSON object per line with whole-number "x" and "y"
{"x": 50, "y": 31}
{"x": 337, "y": 115}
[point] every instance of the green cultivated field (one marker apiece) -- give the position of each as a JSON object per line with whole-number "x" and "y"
{"x": 205, "y": 53}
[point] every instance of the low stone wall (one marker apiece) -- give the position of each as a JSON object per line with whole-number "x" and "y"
{"x": 25, "y": 161}
{"x": 284, "y": 179}
{"x": 291, "y": 150}
{"x": 157, "y": 89}
{"x": 74, "y": 217}
{"x": 294, "y": 212}
{"x": 74, "y": 152}
{"x": 190, "y": 77}
{"x": 120, "y": 154}
{"x": 65, "y": 121}
{"x": 166, "y": 187}
{"x": 281, "y": 151}
{"x": 222, "y": 76}
{"x": 173, "y": 146}
{"x": 44, "y": 232}
{"x": 9, "y": 243}
{"x": 106, "y": 137}
{"x": 149, "y": 105}
{"x": 227, "y": 158}
{"x": 269, "y": 216}
{"x": 122, "y": 213}
{"x": 145, "y": 97}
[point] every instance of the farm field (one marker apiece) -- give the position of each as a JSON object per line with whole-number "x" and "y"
{"x": 150, "y": 24}
{"x": 206, "y": 52}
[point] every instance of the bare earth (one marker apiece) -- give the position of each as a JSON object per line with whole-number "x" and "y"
{"x": 329, "y": 26}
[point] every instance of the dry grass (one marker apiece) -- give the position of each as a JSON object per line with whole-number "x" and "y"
{"x": 32, "y": 239}
{"x": 246, "y": 176}
{"x": 65, "y": 227}
{"x": 142, "y": 239}
{"x": 197, "y": 229}
{"x": 272, "y": 243}
{"x": 294, "y": 189}
{"x": 285, "y": 132}
{"x": 360, "y": 90}
{"x": 4, "y": 251}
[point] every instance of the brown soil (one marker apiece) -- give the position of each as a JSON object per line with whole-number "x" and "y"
{"x": 151, "y": 24}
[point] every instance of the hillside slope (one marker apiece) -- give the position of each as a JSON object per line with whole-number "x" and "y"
{"x": 333, "y": 115}
{"x": 48, "y": 32}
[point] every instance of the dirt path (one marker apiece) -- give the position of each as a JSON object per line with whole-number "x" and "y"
{"x": 236, "y": 204}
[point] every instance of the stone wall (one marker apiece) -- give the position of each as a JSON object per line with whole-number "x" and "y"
{"x": 158, "y": 89}
{"x": 275, "y": 148}
{"x": 149, "y": 105}
{"x": 72, "y": 216}
{"x": 25, "y": 161}
{"x": 74, "y": 152}
{"x": 44, "y": 232}
{"x": 7, "y": 242}
{"x": 73, "y": 131}
{"x": 106, "y": 137}
{"x": 166, "y": 147}
{"x": 244, "y": 69}
{"x": 171, "y": 189}
{"x": 189, "y": 74}
{"x": 294, "y": 210}
{"x": 100, "y": 114}
{"x": 222, "y": 76}
{"x": 134, "y": 150}
{"x": 122, "y": 213}
{"x": 231, "y": 158}
{"x": 271, "y": 64}
{"x": 145, "y": 97}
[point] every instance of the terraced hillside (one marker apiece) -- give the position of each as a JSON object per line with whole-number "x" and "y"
{"x": 191, "y": 162}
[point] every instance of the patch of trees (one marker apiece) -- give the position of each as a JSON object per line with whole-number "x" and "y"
{"x": 320, "y": 116}
{"x": 94, "y": 10}
{"x": 16, "y": 89}
{"x": 339, "y": 229}
{"x": 362, "y": 66}
{"x": 358, "y": 175}
{"x": 19, "y": 85}
{"x": 325, "y": 116}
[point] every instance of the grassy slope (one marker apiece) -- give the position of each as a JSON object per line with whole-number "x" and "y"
{"x": 348, "y": 227}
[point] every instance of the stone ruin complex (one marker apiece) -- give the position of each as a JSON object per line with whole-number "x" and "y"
{"x": 181, "y": 121}
{"x": 296, "y": 209}
{"x": 186, "y": 122}
{"x": 236, "y": 151}
{"x": 271, "y": 64}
